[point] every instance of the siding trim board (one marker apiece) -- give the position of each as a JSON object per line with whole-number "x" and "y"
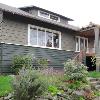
{"x": 56, "y": 57}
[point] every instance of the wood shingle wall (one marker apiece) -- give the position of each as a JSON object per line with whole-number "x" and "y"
{"x": 56, "y": 57}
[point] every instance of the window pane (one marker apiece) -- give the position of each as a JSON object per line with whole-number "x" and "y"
{"x": 48, "y": 39}
{"x": 33, "y": 36}
{"x": 54, "y": 17}
{"x": 86, "y": 46}
{"x": 81, "y": 44}
{"x": 56, "y": 40}
{"x": 77, "y": 44}
{"x": 44, "y": 14}
{"x": 41, "y": 37}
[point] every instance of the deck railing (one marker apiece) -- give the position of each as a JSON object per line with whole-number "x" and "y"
{"x": 90, "y": 50}
{"x": 80, "y": 56}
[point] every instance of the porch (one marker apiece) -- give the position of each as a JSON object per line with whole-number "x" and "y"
{"x": 92, "y": 33}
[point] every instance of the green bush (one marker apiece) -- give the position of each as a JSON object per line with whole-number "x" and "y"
{"x": 75, "y": 71}
{"x": 42, "y": 62}
{"x": 20, "y": 61}
{"x": 76, "y": 74}
{"x": 29, "y": 84}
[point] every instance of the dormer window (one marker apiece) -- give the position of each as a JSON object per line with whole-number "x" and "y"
{"x": 48, "y": 16}
{"x": 43, "y": 14}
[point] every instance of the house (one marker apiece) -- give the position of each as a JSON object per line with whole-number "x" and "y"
{"x": 38, "y": 32}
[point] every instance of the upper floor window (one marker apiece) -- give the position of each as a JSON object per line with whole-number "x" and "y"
{"x": 48, "y": 16}
{"x": 43, "y": 37}
{"x": 43, "y": 14}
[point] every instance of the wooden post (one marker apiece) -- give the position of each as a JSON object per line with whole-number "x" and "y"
{"x": 97, "y": 48}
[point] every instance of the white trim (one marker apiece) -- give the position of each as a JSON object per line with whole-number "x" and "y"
{"x": 48, "y": 16}
{"x": 46, "y": 29}
{"x": 31, "y": 45}
{"x": 28, "y": 34}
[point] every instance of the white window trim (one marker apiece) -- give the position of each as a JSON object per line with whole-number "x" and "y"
{"x": 49, "y": 16}
{"x": 79, "y": 37}
{"x": 46, "y": 29}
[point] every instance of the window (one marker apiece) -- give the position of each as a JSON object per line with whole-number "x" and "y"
{"x": 48, "y": 16}
{"x": 56, "y": 40}
{"x": 55, "y": 18}
{"x": 48, "y": 39}
{"x": 43, "y": 14}
{"x": 43, "y": 37}
{"x": 81, "y": 43}
{"x": 33, "y": 35}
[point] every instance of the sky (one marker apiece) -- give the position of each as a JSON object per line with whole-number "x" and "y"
{"x": 82, "y": 11}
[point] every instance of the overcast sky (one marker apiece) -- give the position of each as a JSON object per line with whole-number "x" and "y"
{"x": 82, "y": 11}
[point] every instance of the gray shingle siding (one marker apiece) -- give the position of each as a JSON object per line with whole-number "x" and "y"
{"x": 68, "y": 41}
{"x": 14, "y": 32}
{"x": 1, "y": 20}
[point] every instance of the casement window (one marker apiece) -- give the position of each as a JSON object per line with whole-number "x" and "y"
{"x": 43, "y": 37}
{"x": 48, "y": 16}
{"x": 81, "y": 43}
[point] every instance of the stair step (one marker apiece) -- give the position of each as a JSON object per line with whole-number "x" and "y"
{"x": 97, "y": 87}
{"x": 93, "y": 79}
{"x": 95, "y": 82}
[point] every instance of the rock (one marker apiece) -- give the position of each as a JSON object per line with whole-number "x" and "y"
{"x": 8, "y": 97}
{"x": 1, "y": 98}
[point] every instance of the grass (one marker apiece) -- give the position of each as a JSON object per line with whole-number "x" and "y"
{"x": 5, "y": 85}
{"x": 94, "y": 74}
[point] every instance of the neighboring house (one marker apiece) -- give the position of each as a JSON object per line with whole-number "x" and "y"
{"x": 39, "y": 32}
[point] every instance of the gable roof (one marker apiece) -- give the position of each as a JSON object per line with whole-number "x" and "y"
{"x": 29, "y": 7}
{"x": 20, "y": 12}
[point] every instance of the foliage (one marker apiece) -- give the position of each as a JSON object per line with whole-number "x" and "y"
{"x": 93, "y": 60}
{"x": 97, "y": 93}
{"x": 20, "y": 61}
{"x": 53, "y": 90}
{"x": 5, "y": 85}
{"x": 42, "y": 62}
{"x": 29, "y": 84}
{"x": 75, "y": 71}
{"x": 94, "y": 74}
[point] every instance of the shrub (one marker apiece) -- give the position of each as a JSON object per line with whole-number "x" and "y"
{"x": 20, "y": 61}
{"x": 42, "y": 62}
{"x": 29, "y": 84}
{"x": 75, "y": 71}
{"x": 76, "y": 74}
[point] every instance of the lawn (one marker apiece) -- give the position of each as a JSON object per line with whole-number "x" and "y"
{"x": 94, "y": 74}
{"x": 5, "y": 85}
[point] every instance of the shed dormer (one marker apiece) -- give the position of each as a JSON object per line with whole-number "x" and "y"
{"x": 47, "y": 15}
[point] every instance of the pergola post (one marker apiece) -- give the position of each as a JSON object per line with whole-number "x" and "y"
{"x": 97, "y": 48}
